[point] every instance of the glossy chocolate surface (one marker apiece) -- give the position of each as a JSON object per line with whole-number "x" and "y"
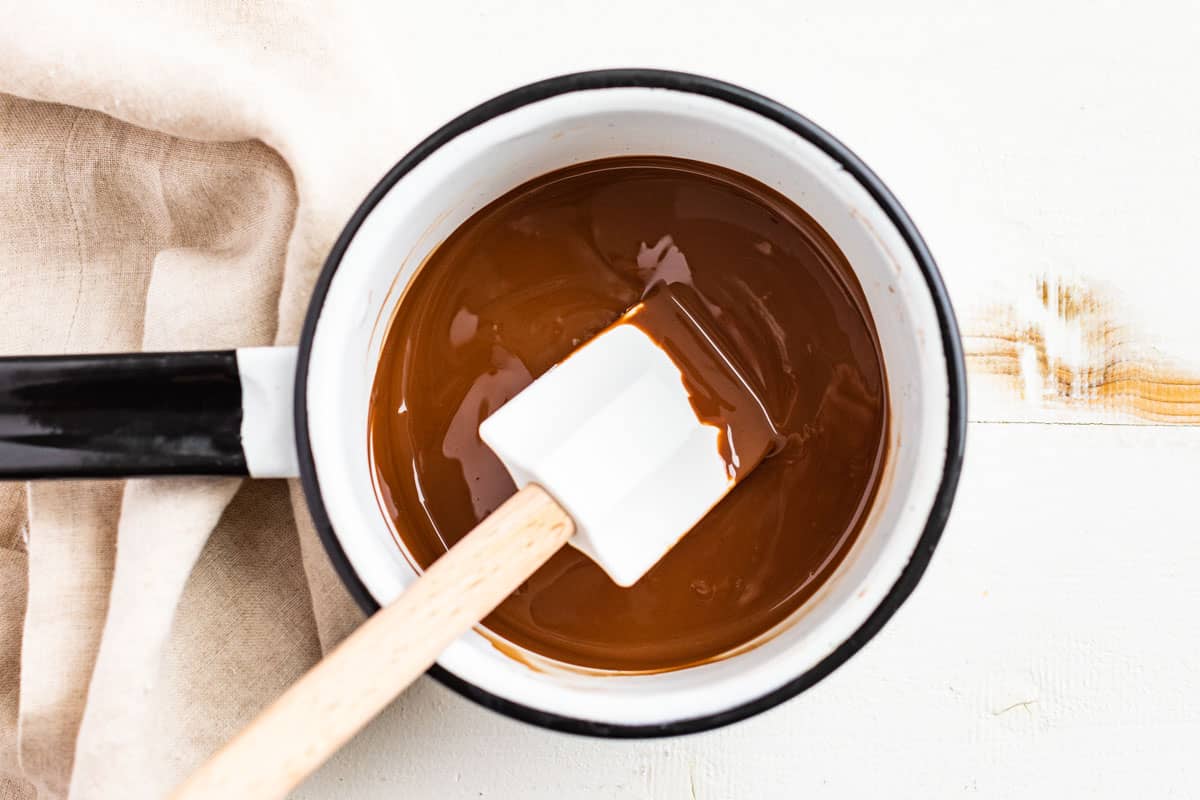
{"x": 536, "y": 273}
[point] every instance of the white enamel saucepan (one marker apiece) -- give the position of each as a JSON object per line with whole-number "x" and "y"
{"x": 283, "y": 412}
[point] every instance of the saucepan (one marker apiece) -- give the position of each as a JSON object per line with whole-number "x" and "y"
{"x": 303, "y": 411}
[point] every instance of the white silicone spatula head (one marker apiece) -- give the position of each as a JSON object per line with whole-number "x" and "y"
{"x": 613, "y": 434}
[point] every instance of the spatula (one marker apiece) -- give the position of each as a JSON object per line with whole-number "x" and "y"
{"x": 618, "y": 450}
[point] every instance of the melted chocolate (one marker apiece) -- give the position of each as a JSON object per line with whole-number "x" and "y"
{"x": 539, "y": 271}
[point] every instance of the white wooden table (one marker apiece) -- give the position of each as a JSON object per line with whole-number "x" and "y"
{"x": 1053, "y": 648}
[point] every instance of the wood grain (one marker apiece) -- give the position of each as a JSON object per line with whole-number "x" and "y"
{"x": 1068, "y": 345}
{"x": 343, "y": 692}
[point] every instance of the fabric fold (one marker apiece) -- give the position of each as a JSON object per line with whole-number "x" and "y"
{"x": 162, "y": 613}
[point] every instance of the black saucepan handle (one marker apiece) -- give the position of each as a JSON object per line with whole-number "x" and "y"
{"x": 121, "y": 415}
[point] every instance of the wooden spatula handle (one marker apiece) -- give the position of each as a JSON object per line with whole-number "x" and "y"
{"x": 343, "y": 692}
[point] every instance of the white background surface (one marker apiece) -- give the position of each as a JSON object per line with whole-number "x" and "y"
{"x": 1052, "y": 648}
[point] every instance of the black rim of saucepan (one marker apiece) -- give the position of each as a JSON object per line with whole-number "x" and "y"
{"x": 955, "y": 368}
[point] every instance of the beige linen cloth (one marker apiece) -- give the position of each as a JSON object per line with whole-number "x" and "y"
{"x": 171, "y": 177}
